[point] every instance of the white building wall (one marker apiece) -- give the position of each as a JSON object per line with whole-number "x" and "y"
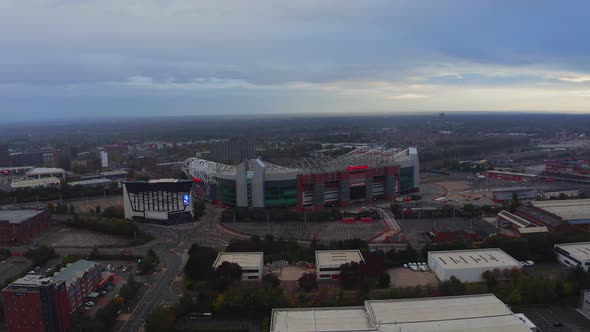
{"x": 564, "y": 260}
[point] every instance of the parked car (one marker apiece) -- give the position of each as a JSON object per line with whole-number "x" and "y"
{"x": 530, "y": 263}
{"x": 124, "y": 269}
{"x": 89, "y": 304}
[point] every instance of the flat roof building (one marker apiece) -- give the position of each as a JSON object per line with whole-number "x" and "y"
{"x": 469, "y": 265}
{"x": 574, "y": 254}
{"x": 82, "y": 278}
{"x": 35, "y": 183}
{"x": 574, "y": 211}
{"x": 252, "y": 263}
{"x": 21, "y": 226}
{"x": 328, "y": 262}
{"x": 477, "y": 313}
{"x": 46, "y": 172}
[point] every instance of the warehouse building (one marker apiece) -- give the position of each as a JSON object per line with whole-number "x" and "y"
{"x": 539, "y": 217}
{"x": 509, "y": 220}
{"x": 469, "y": 265}
{"x": 573, "y": 254}
{"x": 21, "y": 226}
{"x": 252, "y": 263}
{"x": 328, "y": 262}
{"x": 522, "y": 194}
{"x": 45, "y": 172}
{"x": 470, "y": 313}
{"x": 362, "y": 175}
{"x": 559, "y": 193}
{"x": 572, "y": 211}
{"x": 35, "y": 183}
{"x": 165, "y": 201}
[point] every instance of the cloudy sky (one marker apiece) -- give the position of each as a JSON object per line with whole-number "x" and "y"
{"x": 85, "y": 58}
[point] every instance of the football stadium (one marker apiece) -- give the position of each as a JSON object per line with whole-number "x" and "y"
{"x": 363, "y": 175}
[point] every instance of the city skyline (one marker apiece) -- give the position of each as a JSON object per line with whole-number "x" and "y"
{"x": 70, "y": 59}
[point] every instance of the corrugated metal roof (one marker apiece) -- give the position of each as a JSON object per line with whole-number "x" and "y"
{"x": 569, "y": 209}
{"x": 18, "y": 216}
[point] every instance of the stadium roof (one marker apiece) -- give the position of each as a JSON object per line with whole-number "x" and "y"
{"x": 476, "y": 313}
{"x": 369, "y": 156}
{"x": 570, "y": 209}
{"x": 74, "y": 271}
{"x": 337, "y": 257}
{"x": 473, "y": 258}
{"x": 18, "y": 216}
{"x": 243, "y": 259}
{"x": 578, "y": 250}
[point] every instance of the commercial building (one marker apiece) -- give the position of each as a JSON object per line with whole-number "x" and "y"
{"x": 252, "y": 263}
{"x": 362, "y": 175}
{"x": 36, "y": 303}
{"x": 559, "y": 193}
{"x": 509, "y": 176}
{"x": 99, "y": 182}
{"x": 35, "y": 183}
{"x": 573, "y": 254}
{"x": 469, "y": 265}
{"x": 46, "y": 172}
{"x": 235, "y": 150}
{"x": 572, "y": 211}
{"x": 470, "y": 313}
{"x": 523, "y": 194}
{"x": 82, "y": 278}
{"x": 166, "y": 201}
{"x": 21, "y": 226}
{"x": 539, "y": 217}
{"x": 328, "y": 262}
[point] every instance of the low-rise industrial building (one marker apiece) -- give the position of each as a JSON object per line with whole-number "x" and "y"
{"x": 46, "y": 172}
{"x": 470, "y": 313}
{"x": 20, "y": 226}
{"x": 559, "y": 193}
{"x": 35, "y": 183}
{"x": 539, "y": 217}
{"x": 252, "y": 263}
{"x": 82, "y": 278}
{"x": 328, "y": 262}
{"x": 573, "y": 254}
{"x": 572, "y": 211}
{"x": 99, "y": 182}
{"x": 501, "y": 195}
{"x": 509, "y": 220}
{"x": 469, "y": 265}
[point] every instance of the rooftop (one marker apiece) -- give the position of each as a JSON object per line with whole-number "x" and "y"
{"x": 540, "y": 215}
{"x": 569, "y": 209}
{"x": 90, "y": 182}
{"x": 530, "y": 230}
{"x": 337, "y": 257}
{"x": 476, "y": 313}
{"x": 321, "y": 319}
{"x": 578, "y": 250}
{"x": 34, "y": 182}
{"x": 31, "y": 280}
{"x": 74, "y": 271}
{"x": 243, "y": 259}
{"x": 45, "y": 170}
{"x": 473, "y": 258}
{"x": 519, "y": 221}
{"x": 18, "y": 216}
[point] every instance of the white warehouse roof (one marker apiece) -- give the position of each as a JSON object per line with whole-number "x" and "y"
{"x": 337, "y": 257}
{"x": 476, "y": 313}
{"x": 569, "y": 209}
{"x": 578, "y": 250}
{"x": 473, "y": 258}
{"x": 45, "y": 170}
{"x": 243, "y": 259}
{"x": 321, "y": 319}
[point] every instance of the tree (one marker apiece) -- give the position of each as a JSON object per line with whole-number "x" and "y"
{"x": 161, "y": 319}
{"x": 97, "y": 210}
{"x": 51, "y": 207}
{"x": 226, "y": 274}
{"x": 354, "y": 275}
{"x": 40, "y": 255}
{"x": 200, "y": 263}
{"x": 452, "y": 287}
{"x": 270, "y": 280}
{"x": 72, "y": 209}
{"x": 384, "y": 280}
{"x": 308, "y": 281}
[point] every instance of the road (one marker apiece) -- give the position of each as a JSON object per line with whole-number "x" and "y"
{"x": 171, "y": 242}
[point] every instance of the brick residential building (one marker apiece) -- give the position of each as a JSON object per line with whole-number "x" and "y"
{"x": 20, "y": 226}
